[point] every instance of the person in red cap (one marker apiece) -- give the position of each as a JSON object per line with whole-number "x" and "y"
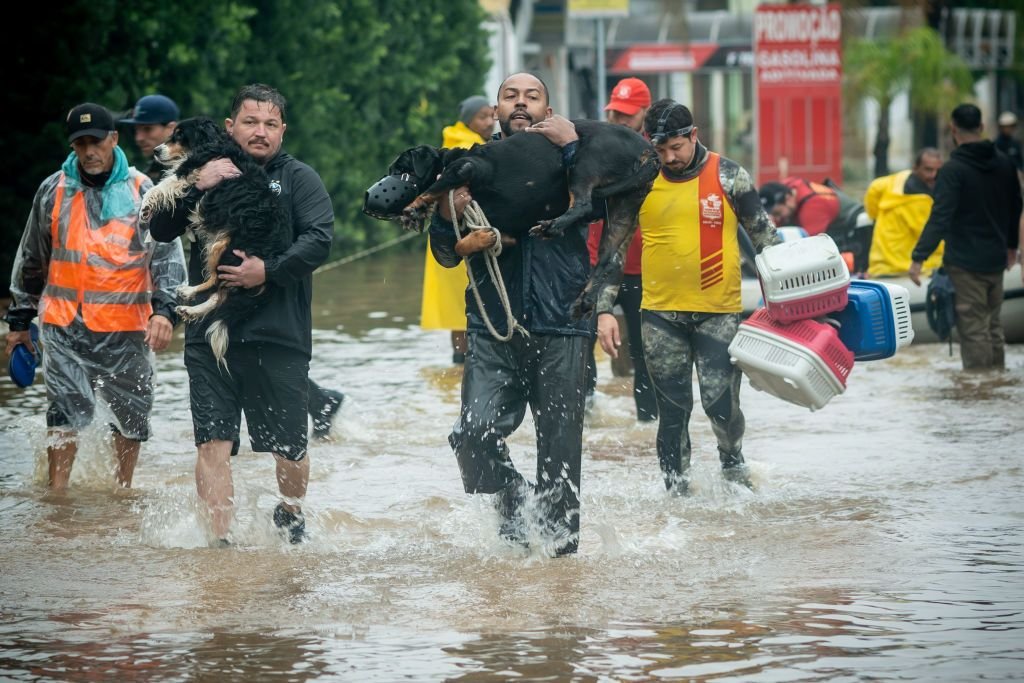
{"x": 627, "y": 106}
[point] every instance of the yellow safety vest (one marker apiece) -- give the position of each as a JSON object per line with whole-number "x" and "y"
{"x": 691, "y": 256}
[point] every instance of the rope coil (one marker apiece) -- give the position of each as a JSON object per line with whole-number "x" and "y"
{"x": 473, "y": 218}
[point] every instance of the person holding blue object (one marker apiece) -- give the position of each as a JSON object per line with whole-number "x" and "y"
{"x": 24, "y": 360}
{"x": 104, "y": 294}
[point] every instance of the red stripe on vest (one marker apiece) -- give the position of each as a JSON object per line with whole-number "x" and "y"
{"x": 712, "y": 220}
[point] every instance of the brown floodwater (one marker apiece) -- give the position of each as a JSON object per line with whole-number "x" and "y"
{"x": 884, "y": 540}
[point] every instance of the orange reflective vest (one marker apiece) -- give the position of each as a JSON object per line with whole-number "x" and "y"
{"x": 104, "y": 270}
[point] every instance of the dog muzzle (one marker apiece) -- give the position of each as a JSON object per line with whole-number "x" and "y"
{"x": 388, "y": 196}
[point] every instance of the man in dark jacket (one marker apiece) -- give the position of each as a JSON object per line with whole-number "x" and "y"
{"x": 154, "y": 119}
{"x": 976, "y": 211}
{"x": 542, "y": 366}
{"x": 268, "y": 356}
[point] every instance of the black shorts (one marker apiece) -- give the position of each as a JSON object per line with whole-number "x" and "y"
{"x": 266, "y": 381}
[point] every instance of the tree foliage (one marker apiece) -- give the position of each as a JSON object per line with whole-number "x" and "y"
{"x": 916, "y": 62}
{"x": 364, "y": 79}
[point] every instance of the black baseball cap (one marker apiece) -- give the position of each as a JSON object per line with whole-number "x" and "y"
{"x": 772, "y": 194}
{"x": 89, "y": 119}
{"x": 154, "y": 109}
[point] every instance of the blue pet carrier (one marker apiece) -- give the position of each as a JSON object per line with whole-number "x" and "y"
{"x": 876, "y": 320}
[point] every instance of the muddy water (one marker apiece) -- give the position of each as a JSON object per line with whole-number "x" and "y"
{"x": 884, "y": 541}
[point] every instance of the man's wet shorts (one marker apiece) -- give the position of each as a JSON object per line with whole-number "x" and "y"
{"x": 269, "y": 383}
{"x": 81, "y": 365}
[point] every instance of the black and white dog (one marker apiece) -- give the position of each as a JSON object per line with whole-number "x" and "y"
{"x": 240, "y": 213}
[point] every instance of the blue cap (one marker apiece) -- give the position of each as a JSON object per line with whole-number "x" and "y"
{"x": 154, "y": 109}
{"x": 23, "y": 363}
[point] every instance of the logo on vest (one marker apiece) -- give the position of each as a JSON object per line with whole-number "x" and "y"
{"x": 711, "y": 210}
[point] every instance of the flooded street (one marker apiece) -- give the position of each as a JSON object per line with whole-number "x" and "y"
{"x": 885, "y": 540}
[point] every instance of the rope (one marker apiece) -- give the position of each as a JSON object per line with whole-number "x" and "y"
{"x": 365, "y": 252}
{"x": 474, "y": 219}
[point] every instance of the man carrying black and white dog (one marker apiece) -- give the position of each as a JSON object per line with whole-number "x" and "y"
{"x": 268, "y": 357}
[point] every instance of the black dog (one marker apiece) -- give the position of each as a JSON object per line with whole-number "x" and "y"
{"x": 238, "y": 213}
{"x": 521, "y": 185}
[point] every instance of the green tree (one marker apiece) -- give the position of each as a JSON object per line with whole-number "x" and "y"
{"x": 364, "y": 80}
{"x": 106, "y": 52}
{"x": 916, "y": 62}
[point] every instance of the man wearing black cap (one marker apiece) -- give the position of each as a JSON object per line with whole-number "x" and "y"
{"x": 154, "y": 119}
{"x": 102, "y": 290}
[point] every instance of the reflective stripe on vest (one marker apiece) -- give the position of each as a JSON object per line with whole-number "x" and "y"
{"x": 97, "y": 270}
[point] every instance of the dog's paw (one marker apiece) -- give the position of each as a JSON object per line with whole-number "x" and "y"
{"x": 187, "y": 293}
{"x": 548, "y": 229}
{"x": 541, "y": 229}
{"x": 414, "y": 218}
{"x": 187, "y": 313}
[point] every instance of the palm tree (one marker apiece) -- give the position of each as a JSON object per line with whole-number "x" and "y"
{"x": 916, "y": 61}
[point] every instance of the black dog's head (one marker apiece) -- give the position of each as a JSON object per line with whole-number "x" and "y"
{"x": 190, "y": 134}
{"x": 408, "y": 176}
{"x": 412, "y": 187}
{"x": 422, "y": 164}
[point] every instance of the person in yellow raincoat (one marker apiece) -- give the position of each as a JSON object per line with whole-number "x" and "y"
{"x": 444, "y": 289}
{"x": 900, "y": 205}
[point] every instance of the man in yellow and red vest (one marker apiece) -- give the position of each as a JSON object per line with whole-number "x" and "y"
{"x": 691, "y": 308}
{"x": 103, "y": 292}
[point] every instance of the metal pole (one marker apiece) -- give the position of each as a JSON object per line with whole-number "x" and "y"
{"x": 602, "y": 80}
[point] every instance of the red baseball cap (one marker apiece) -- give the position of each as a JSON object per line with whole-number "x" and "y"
{"x": 629, "y": 96}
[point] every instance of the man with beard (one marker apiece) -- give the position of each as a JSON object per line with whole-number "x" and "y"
{"x": 266, "y": 377}
{"x": 544, "y": 368}
{"x": 691, "y": 306}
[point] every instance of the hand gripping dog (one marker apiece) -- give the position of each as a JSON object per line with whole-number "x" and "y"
{"x": 522, "y": 186}
{"x": 240, "y": 213}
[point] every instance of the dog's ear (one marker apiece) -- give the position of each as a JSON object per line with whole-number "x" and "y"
{"x": 422, "y": 163}
{"x": 199, "y": 131}
{"x": 211, "y": 130}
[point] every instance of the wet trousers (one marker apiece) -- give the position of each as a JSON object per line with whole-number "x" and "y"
{"x": 979, "y": 298}
{"x": 674, "y": 343}
{"x": 630, "y": 294}
{"x": 500, "y": 379}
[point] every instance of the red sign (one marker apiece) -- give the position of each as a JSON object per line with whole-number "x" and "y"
{"x": 661, "y": 58}
{"x": 798, "y": 73}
